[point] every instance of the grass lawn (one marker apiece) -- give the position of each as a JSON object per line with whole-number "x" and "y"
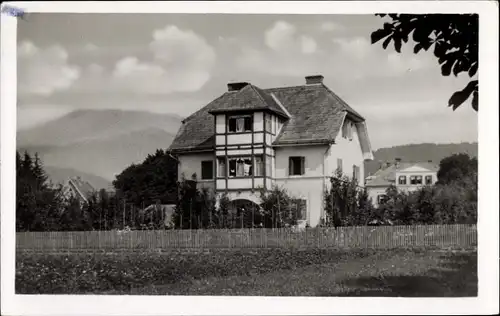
{"x": 409, "y": 273}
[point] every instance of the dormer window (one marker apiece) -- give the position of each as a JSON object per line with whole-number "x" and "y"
{"x": 240, "y": 124}
{"x": 347, "y": 129}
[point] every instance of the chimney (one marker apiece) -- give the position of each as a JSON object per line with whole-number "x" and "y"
{"x": 236, "y": 86}
{"x": 314, "y": 79}
{"x": 397, "y": 161}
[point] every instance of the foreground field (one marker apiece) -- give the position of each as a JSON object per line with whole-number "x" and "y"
{"x": 410, "y": 273}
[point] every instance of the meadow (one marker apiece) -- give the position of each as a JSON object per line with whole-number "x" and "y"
{"x": 417, "y": 272}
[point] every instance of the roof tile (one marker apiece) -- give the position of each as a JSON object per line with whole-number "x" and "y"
{"x": 316, "y": 115}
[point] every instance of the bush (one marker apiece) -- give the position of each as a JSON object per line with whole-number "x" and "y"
{"x": 454, "y": 203}
{"x": 347, "y": 204}
{"x": 279, "y": 208}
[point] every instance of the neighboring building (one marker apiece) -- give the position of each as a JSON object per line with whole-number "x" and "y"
{"x": 79, "y": 188}
{"x": 292, "y": 137}
{"x": 405, "y": 176}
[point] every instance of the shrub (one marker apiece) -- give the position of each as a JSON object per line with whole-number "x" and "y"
{"x": 454, "y": 203}
{"x": 346, "y": 204}
{"x": 279, "y": 208}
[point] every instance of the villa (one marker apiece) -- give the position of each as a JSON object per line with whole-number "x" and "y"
{"x": 292, "y": 137}
{"x": 405, "y": 176}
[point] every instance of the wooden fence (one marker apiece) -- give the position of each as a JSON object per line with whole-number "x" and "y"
{"x": 441, "y": 236}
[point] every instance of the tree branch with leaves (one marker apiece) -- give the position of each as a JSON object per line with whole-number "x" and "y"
{"x": 454, "y": 38}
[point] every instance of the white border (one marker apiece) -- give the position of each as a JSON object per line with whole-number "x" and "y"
{"x": 487, "y": 301}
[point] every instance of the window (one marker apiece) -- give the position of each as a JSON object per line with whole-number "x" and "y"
{"x": 381, "y": 198}
{"x": 347, "y": 129}
{"x": 240, "y": 124}
{"x": 221, "y": 167}
{"x": 415, "y": 180}
{"x": 207, "y": 169}
{"x": 299, "y": 207}
{"x": 259, "y": 166}
{"x": 296, "y": 166}
{"x": 269, "y": 126}
{"x": 428, "y": 180}
{"x": 240, "y": 167}
{"x": 340, "y": 165}
{"x": 355, "y": 172}
{"x": 268, "y": 166}
{"x": 402, "y": 180}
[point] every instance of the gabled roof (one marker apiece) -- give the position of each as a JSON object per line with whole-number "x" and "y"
{"x": 82, "y": 188}
{"x": 387, "y": 176}
{"x": 316, "y": 115}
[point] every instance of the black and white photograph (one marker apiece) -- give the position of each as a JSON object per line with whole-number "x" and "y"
{"x": 207, "y": 152}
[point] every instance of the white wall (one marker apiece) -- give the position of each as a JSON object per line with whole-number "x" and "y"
{"x": 309, "y": 186}
{"x": 191, "y": 163}
{"x": 351, "y": 154}
{"x": 309, "y": 189}
{"x": 314, "y": 159}
{"x": 220, "y": 123}
{"x": 258, "y": 121}
{"x": 374, "y": 192}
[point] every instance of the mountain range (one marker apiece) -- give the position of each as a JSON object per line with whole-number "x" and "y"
{"x": 98, "y": 144}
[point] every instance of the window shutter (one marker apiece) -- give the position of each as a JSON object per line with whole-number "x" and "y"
{"x": 290, "y": 166}
{"x": 302, "y": 165}
{"x": 339, "y": 164}
{"x": 248, "y": 123}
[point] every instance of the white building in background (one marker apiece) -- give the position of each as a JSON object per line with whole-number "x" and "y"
{"x": 405, "y": 176}
{"x": 292, "y": 137}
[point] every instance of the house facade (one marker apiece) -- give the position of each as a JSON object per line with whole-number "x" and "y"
{"x": 292, "y": 137}
{"x": 405, "y": 176}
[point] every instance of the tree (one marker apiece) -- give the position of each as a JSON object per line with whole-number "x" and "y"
{"x": 453, "y": 36}
{"x": 279, "y": 209}
{"x": 150, "y": 181}
{"x": 342, "y": 200}
{"x": 195, "y": 207}
{"x": 39, "y": 205}
{"x": 457, "y": 168}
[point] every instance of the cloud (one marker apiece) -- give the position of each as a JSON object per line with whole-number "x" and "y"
{"x": 281, "y": 36}
{"x": 356, "y": 46}
{"x": 182, "y": 62}
{"x": 44, "y": 71}
{"x": 89, "y": 47}
{"x": 329, "y": 26}
{"x": 308, "y": 44}
{"x": 287, "y": 52}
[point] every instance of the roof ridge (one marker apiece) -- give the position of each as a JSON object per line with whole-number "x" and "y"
{"x": 287, "y": 87}
{"x": 344, "y": 104}
{"x": 254, "y": 88}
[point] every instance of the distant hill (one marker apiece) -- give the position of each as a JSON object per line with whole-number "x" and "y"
{"x": 91, "y": 125}
{"x": 100, "y": 143}
{"x": 418, "y": 152}
{"x": 61, "y": 176}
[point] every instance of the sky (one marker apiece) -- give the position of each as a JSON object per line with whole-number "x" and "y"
{"x": 178, "y": 63}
